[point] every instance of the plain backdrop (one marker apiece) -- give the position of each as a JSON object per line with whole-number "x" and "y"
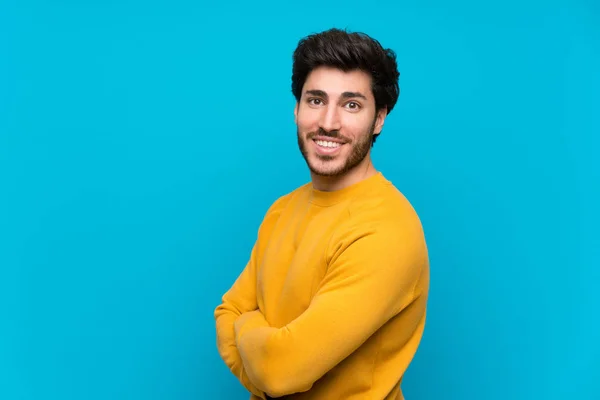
{"x": 141, "y": 143}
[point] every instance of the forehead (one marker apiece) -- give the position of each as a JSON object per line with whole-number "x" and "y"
{"x": 334, "y": 81}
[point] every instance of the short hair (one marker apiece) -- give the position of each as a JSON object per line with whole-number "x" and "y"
{"x": 348, "y": 51}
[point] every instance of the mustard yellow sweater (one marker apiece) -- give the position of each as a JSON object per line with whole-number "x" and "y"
{"x": 332, "y": 302}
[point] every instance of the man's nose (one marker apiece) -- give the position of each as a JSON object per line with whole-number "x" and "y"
{"x": 330, "y": 119}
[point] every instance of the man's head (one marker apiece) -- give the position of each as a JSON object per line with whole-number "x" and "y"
{"x": 345, "y": 84}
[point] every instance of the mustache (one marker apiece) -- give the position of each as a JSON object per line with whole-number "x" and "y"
{"x": 330, "y": 134}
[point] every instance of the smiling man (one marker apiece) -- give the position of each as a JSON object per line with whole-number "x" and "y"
{"x": 332, "y": 301}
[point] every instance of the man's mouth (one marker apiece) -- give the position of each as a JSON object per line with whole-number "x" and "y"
{"x": 328, "y": 147}
{"x": 328, "y": 144}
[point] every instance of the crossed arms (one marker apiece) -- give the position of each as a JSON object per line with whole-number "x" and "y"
{"x": 367, "y": 282}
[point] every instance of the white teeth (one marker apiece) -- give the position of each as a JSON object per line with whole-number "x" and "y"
{"x": 323, "y": 143}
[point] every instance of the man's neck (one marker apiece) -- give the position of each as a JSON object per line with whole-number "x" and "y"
{"x": 332, "y": 183}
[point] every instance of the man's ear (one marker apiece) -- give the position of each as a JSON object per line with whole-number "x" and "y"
{"x": 296, "y": 113}
{"x": 381, "y": 114}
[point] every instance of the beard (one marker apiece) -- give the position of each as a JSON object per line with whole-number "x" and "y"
{"x": 325, "y": 165}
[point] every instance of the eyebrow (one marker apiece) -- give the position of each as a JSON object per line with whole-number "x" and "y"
{"x": 345, "y": 95}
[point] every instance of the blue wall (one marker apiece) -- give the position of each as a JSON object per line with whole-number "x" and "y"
{"x": 136, "y": 137}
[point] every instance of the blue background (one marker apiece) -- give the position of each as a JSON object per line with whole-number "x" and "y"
{"x": 142, "y": 142}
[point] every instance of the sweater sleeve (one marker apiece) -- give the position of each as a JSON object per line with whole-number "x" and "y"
{"x": 242, "y": 298}
{"x": 371, "y": 277}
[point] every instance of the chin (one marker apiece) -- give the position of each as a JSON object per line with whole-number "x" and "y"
{"x": 327, "y": 168}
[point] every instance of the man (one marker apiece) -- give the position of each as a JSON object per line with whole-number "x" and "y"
{"x": 332, "y": 302}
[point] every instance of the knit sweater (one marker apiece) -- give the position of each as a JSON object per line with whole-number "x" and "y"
{"x": 332, "y": 302}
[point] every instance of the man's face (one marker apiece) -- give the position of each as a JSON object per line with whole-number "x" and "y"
{"x": 336, "y": 120}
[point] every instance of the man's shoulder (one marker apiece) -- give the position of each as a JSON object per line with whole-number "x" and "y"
{"x": 278, "y": 207}
{"x": 385, "y": 204}
{"x": 386, "y": 216}
{"x": 283, "y": 200}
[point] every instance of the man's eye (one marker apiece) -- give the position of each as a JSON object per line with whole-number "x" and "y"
{"x": 316, "y": 102}
{"x": 353, "y": 105}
